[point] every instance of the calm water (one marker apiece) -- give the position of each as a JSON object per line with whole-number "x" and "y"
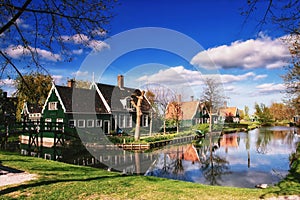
{"x": 239, "y": 159}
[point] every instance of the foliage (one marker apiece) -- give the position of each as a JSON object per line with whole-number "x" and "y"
{"x": 174, "y": 113}
{"x": 280, "y": 112}
{"x": 263, "y": 113}
{"x": 32, "y": 88}
{"x": 46, "y": 29}
{"x": 203, "y": 127}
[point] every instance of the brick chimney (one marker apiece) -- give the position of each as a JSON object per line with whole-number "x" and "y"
{"x": 71, "y": 83}
{"x": 120, "y": 81}
{"x": 192, "y": 98}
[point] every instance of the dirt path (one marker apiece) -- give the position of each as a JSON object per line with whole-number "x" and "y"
{"x": 10, "y": 176}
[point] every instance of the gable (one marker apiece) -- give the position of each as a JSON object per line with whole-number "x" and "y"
{"x": 115, "y": 97}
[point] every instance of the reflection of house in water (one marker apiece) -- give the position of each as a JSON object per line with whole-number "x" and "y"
{"x": 229, "y": 140}
{"x": 188, "y": 153}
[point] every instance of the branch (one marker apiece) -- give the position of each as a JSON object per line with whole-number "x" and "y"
{"x": 14, "y": 19}
{"x": 14, "y": 66}
{"x": 51, "y": 13}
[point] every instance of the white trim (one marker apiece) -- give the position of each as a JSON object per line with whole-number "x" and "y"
{"x": 58, "y": 96}
{"x": 78, "y": 123}
{"x": 98, "y": 124}
{"x": 87, "y": 123}
{"x": 101, "y": 96}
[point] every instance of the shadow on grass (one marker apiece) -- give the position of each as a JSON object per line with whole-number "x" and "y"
{"x": 48, "y": 182}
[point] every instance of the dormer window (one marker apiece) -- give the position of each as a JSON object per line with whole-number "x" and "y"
{"x": 52, "y": 106}
{"x": 128, "y": 103}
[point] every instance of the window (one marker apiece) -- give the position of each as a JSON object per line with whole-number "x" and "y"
{"x": 90, "y": 123}
{"x": 47, "y": 123}
{"x": 52, "y": 106}
{"x": 128, "y": 103}
{"x": 122, "y": 121}
{"x": 128, "y": 121}
{"x": 72, "y": 123}
{"x": 81, "y": 123}
{"x": 59, "y": 123}
{"x": 145, "y": 120}
{"x": 98, "y": 123}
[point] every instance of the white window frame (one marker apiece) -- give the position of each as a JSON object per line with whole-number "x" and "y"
{"x": 52, "y": 105}
{"x": 47, "y": 120}
{"x": 98, "y": 122}
{"x": 80, "y": 121}
{"x": 88, "y": 123}
{"x": 145, "y": 119}
{"x": 58, "y": 120}
{"x": 122, "y": 121}
{"x": 128, "y": 121}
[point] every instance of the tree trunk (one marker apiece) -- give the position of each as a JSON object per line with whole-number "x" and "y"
{"x": 138, "y": 124}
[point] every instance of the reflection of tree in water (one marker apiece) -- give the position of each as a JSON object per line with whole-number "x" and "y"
{"x": 214, "y": 167}
{"x": 263, "y": 139}
{"x": 177, "y": 164}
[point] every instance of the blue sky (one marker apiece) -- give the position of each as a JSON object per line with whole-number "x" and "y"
{"x": 248, "y": 60}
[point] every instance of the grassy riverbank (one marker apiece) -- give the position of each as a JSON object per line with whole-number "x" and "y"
{"x": 63, "y": 181}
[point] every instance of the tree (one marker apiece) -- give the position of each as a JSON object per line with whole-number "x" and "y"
{"x": 213, "y": 96}
{"x": 137, "y": 99}
{"x": 45, "y": 30}
{"x": 280, "y": 112}
{"x": 174, "y": 113}
{"x": 32, "y": 88}
{"x": 162, "y": 97}
{"x": 263, "y": 113}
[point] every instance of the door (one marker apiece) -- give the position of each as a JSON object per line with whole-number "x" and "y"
{"x": 106, "y": 126}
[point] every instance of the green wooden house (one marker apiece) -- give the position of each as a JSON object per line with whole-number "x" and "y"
{"x": 102, "y": 106}
{"x": 117, "y": 101}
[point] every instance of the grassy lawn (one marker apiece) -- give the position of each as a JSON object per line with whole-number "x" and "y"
{"x": 63, "y": 181}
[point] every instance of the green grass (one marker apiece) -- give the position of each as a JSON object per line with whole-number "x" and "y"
{"x": 63, "y": 181}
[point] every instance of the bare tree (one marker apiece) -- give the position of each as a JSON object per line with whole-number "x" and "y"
{"x": 162, "y": 97}
{"x": 212, "y": 96}
{"x": 35, "y": 31}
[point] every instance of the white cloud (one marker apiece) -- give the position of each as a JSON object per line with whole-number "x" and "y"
{"x": 262, "y": 52}
{"x": 181, "y": 76}
{"x": 262, "y": 76}
{"x": 19, "y": 51}
{"x": 173, "y": 75}
{"x": 77, "y": 52}
{"x": 58, "y": 79}
{"x": 80, "y": 73}
{"x": 270, "y": 88}
{"x": 82, "y": 39}
{"x": 7, "y": 82}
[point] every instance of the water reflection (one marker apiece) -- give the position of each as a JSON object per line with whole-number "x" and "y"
{"x": 239, "y": 159}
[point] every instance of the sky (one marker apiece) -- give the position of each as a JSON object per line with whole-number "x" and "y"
{"x": 176, "y": 44}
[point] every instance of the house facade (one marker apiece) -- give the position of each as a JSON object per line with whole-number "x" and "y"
{"x": 102, "y": 106}
{"x": 191, "y": 113}
{"x": 229, "y": 114}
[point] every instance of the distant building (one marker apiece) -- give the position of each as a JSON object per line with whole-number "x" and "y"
{"x": 229, "y": 114}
